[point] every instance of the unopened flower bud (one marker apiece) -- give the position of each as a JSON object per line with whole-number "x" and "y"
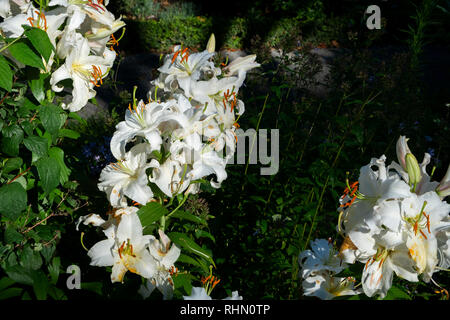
{"x": 402, "y": 150}
{"x": 211, "y": 46}
{"x": 443, "y": 189}
{"x": 413, "y": 169}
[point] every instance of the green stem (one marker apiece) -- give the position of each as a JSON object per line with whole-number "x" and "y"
{"x": 5, "y": 47}
{"x": 178, "y": 207}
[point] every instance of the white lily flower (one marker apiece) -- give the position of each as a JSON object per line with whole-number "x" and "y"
{"x": 197, "y": 293}
{"x": 379, "y": 270}
{"x": 165, "y": 257}
{"x": 443, "y": 242}
{"x": 241, "y": 65}
{"x": 374, "y": 187}
{"x": 170, "y": 177}
{"x": 127, "y": 251}
{"x": 443, "y": 188}
{"x": 420, "y": 180}
{"x": 181, "y": 68}
{"x": 5, "y": 8}
{"x": 84, "y": 70}
{"x": 141, "y": 120}
{"x": 327, "y": 287}
{"x": 322, "y": 257}
{"x": 127, "y": 178}
{"x": 47, "y": 21}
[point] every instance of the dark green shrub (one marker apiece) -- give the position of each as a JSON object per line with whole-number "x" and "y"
{"x": 160, "y": 35}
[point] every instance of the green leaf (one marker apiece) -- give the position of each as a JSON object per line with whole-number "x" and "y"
{"x": 6, "y": 75}
{"x": 12, "y": 236}
{"x": 10, "y": 293}
{"x": 93, "y": 286}
{"x": 30, "y": 259}
{"x": 13, "y": 200}
{"x": 19, "y": 274}
{"x": 37, "y": 145}
{"x": 68, "y": 133}
{"x": 189, "y": 260}
{"x": 56, "y": 293}
{"x": 204, "y": 234}
{"x": 49, "y": 173}
{"x": 24, "y": 52}
{"x": 37, "y": 86}
{"x": 396, "y": 293}
{"x": 183, "y": 280}
{"x": 53, "y": 269}
{"x": 50, "y": 117}
{"x": 40, "y": 41}
{"x": 58, "y": 154}
{"x": 183, "y": 215}
{"x": 184, "y": 241}
{"x": 40, "y": 284}
{"x": 12, "y": 164}
{"x": 77, "y": 117}
{"x": 151, "y": 212}
{"x": 47, "y": 252}
{"x": 5, "y": 282}
{"x": 12, "y": 138}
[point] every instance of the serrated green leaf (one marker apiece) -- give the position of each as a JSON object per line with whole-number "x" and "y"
{"x": 40, "y": 41}
{"x": 151, "y": 212}
{"x": 50, "y": 117}
{"x": 47, "y": 252}
{"x": 6, "y": 74}
{"x": 30, "y": 259}
{"x": 49, "y": 173}
{"x": 53, "y": 269}
{"x": 37, "y": 145}
{"x": 13, "y": 200}
{"x": 37, "y": 86}
{"x": 58, "y": 154}
{"x": 12, "y": 138}
{"x": 12, "y": 236}
{"x": 24, "y": 52}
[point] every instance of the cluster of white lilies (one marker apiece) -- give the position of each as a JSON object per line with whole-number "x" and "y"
{"x": 80, "y": 31}
{"x": 394, "y": 220}
{"x": 167, "y": 146}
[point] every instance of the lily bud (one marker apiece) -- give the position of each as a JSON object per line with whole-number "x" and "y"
{"x": 443, "y": 189}
{"x": 402, "y": 150}
{"x": 211, "y": 46}
{"x": 413, "y": 169}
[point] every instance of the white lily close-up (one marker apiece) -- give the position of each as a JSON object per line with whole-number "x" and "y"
{"x": 128, "y": 178}
{"x": 126, "y": 251}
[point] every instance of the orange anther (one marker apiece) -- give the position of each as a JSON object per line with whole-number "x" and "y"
{"x": 175, "y": 56}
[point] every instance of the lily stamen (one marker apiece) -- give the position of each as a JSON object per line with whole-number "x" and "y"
{"x": 97, "y": 75}
{"x": 96, "y": 6}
